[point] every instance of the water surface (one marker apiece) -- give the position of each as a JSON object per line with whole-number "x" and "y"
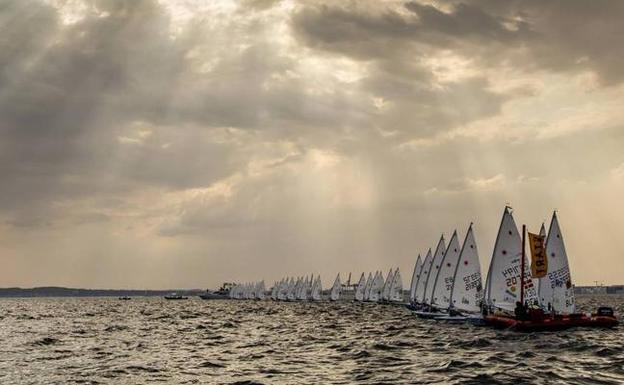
{"x": 150, "y": 340}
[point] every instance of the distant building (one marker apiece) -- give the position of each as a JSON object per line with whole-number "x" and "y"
{"x": 617, "y": 289}
{"x": 590, "y": 289}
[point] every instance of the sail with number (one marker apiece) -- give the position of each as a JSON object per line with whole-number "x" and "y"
{"x": 556, "y": 287}
{"x": 467, "y": 292}
{"x": 359, "y": 289}
{"x": 502, "y": 289}
{"x": 443, "y": 283}
{"x": 334, "y": 295}
{"x": 436, "y": 262}
{"x": 414, "y": 282}
{"x": 421, "y": 285}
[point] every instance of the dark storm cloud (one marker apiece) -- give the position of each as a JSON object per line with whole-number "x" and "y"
{"x": 70, "y": 89}
{"x": 381, "y": 31}
{"x": 554, "y": 35}
{"x": 69, "y": 93}
{"x": 302, "y": 135}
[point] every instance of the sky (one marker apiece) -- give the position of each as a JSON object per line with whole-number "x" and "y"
{"x": 181, "y": 144}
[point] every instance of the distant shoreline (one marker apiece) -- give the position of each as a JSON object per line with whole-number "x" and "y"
{"x": 52, "y": 291}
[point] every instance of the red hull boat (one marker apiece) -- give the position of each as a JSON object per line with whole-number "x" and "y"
{"x": 537, "y": 321}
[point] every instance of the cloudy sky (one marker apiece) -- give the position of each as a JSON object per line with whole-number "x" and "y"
{"x": 153, "y": 144}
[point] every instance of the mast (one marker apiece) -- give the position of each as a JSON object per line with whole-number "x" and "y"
{"x": 522, "y": 265}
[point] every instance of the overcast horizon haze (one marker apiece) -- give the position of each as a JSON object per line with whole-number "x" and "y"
{"x": 186, "y": 143}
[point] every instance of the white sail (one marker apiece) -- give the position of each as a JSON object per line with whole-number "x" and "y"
{"x": 297, "y": 289}
{"x": 421, "y": 285}
{"x": 260, "y": 289}
{"x": 283, "y": 290}
{"x": 377, "y": 287}
{"x": 436, "y": 262}
{"x": 396, "y": 291}
{"x": 372, "y": 292}
{"x": 503, "y": 282}
{"x": 315, "y": 294}
{"x": 467, "y": 292}
{"x": 443, "y": 284}
{"x": 387, "y": 286}
{"x": 359, "y": 290}
{"x": 291, "y": 290}
{"x": 334, "y": 295}
{"x": 305, "y": 289}
{"x": 414, "y": 282}
{"x": 556, "y": 287}
{"x": 368, "y": 287}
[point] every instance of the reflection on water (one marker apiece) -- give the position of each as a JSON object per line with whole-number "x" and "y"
{"x": 145, "y": 340}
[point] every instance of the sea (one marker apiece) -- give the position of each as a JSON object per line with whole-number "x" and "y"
{"x": 151, "y": 340}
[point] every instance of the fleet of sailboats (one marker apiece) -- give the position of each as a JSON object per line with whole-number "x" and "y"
{"x": 255, "y": 290}
{"x": 447, "y": 285}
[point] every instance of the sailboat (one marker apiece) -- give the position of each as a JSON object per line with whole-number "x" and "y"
{"x": 436, "y": 263}
{"x": 526, "y": 318}
{"x": 502, "y": 287}
{"x": 334, "y": 295}
{"x": 396, "y": 289}
{"x": 360, "y": 288}
{"x": 377, "y": 289}
{"x": 443, "y": 283}
{"x": 430, "y": 271}
{"x": 260, "y": 290}
{"x": 373, "y": 292}
{"x": 421, "y": 285}
{"x": 302, "y": 295}
{"x": 387, "y": 286}
{"x": 290, "y": 294}
{"x": 315, "y": 293}
{"x": 415, "y": 275}
{"x": 282, "y": 293}
{"x": 555, "y": 290}
{"x": 368, "y": 287}
{"x": 467, "y": 291}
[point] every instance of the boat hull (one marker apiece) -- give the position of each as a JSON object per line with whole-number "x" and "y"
{"x": 429, "y": 314}
{"x": 550, "y": 323}
{"x": 476, "y": 320}
{"x": 212, "y": 296}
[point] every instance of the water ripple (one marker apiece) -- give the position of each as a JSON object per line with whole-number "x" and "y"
{"x": 101, "y": 341}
